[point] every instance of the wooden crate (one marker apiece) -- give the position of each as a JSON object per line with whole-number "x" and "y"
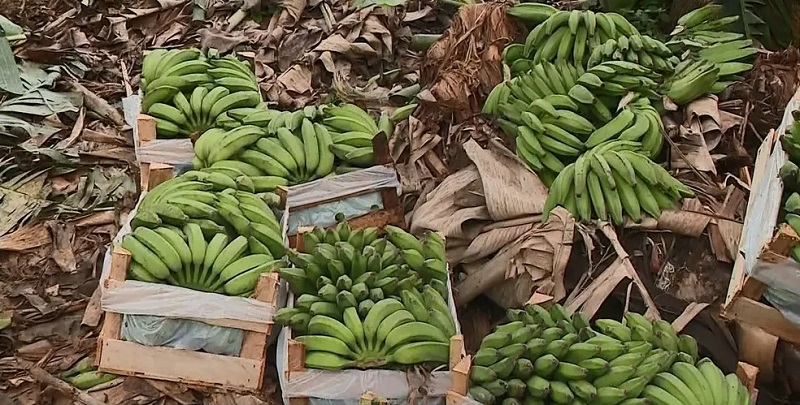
{"x": 760, "y": 324}
{"x": 291, "y": 368}
{"x": 242, "y": 373}
{"x": 392, "y": 212}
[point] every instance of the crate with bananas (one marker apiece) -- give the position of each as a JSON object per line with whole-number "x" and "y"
{"x": 547, "y": 356}
{"x": 362, "y": 301}
{"x": 186, "y": 90}
{"x": 210, "y": 245}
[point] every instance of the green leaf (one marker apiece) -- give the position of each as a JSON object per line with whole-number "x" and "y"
{"x": 767, "y": 22}
{"x": 9, "y": 73}
{"x": 5, "y": 318}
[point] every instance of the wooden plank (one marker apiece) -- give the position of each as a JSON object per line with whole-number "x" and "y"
{"x": 459, "y": 376}
{"x": 146, "y": 128}
{"x": 254, "y": 345}
{"x": 747, "y": 374}
{"x": 183, "y": 366}
{"x": 739, "y": 272}
{"x": 296, "y": 356}
{"x": 757, "y": 347}
{"x": 763, "y": 316}
{"x": 456, "y": 350}
{"x": 120, "y": 260}
{"x": 260, "y": 327}
{"x": 157, "y": 173}
{"x": 783, "y": 242}
{"x": 379, "y": 219}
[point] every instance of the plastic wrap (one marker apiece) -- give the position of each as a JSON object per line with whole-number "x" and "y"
{"x": 134, "y": 299}
{"x": 782, "y": 280}
{"x": 334, "y": 189}
{"x": 345, "y": 387}
{"x": 181, "y": 334}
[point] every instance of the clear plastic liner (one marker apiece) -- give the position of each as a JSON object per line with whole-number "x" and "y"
{"x": 371, "y": 178}
{"x": 345, "y": 387}
{"x": 334, "y": 189}
{"x": 181, "y": 334}
{"x": 782, "y": 280}
{"x": 135, "y": 299}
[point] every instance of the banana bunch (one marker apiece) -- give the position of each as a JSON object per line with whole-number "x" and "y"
{"x": 219, "y": 200}
{"x": 185, "y": 258}
{"x": 547, "y": 356}
{"x": 612, "y": 178}
{"x": 297, "y": 146}
{"x": 640, "y": 49}
{"x": 790, "y": 142}
{"x": 84, "y": 375}
{"x": 352, "y": 130}
{"x": 618, "y": 78}
{"x": 365, "y": 301}
{"x": 691, "y": 80}
{"x": 699, "y": 36}
{"x": 185, "y": 91}
{"x": 393, "y": 333}
{"x": 546, "y": 135}
{"x": 703, "y": 25}
{"x": 571, "y": 36}
{"x": 201, "y": 110}
{"x": 385, "y": 265}
{"x": 638, "y": 122}
{"x": 532, "y": 13}
{"x": 267, "y": 119}
{"x": 294, "y": 157}
{"x": 551, "y": 130}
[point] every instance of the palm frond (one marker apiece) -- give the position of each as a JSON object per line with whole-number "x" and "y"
{"x": 768, "y": 22}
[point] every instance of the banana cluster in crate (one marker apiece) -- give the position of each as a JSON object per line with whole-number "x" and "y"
{"x": 186, "y": 91}
{"x": 790, "y": 174}
{"x": 204, "y": 231}
{"x": 295, "y": 147}
{"x": 364, "y": 301}
{"x": 549, "y": 357}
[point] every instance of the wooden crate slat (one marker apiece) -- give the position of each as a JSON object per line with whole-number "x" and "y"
{"x": 164, "y": 363}
{"x": 765, "y": 317}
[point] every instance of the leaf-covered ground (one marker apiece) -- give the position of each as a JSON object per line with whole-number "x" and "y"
{"x": 67, "y": 166}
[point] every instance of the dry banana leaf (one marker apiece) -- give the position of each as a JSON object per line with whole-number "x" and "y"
{"x": 532, "y": 263}
{"x": 595, "y": 294}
